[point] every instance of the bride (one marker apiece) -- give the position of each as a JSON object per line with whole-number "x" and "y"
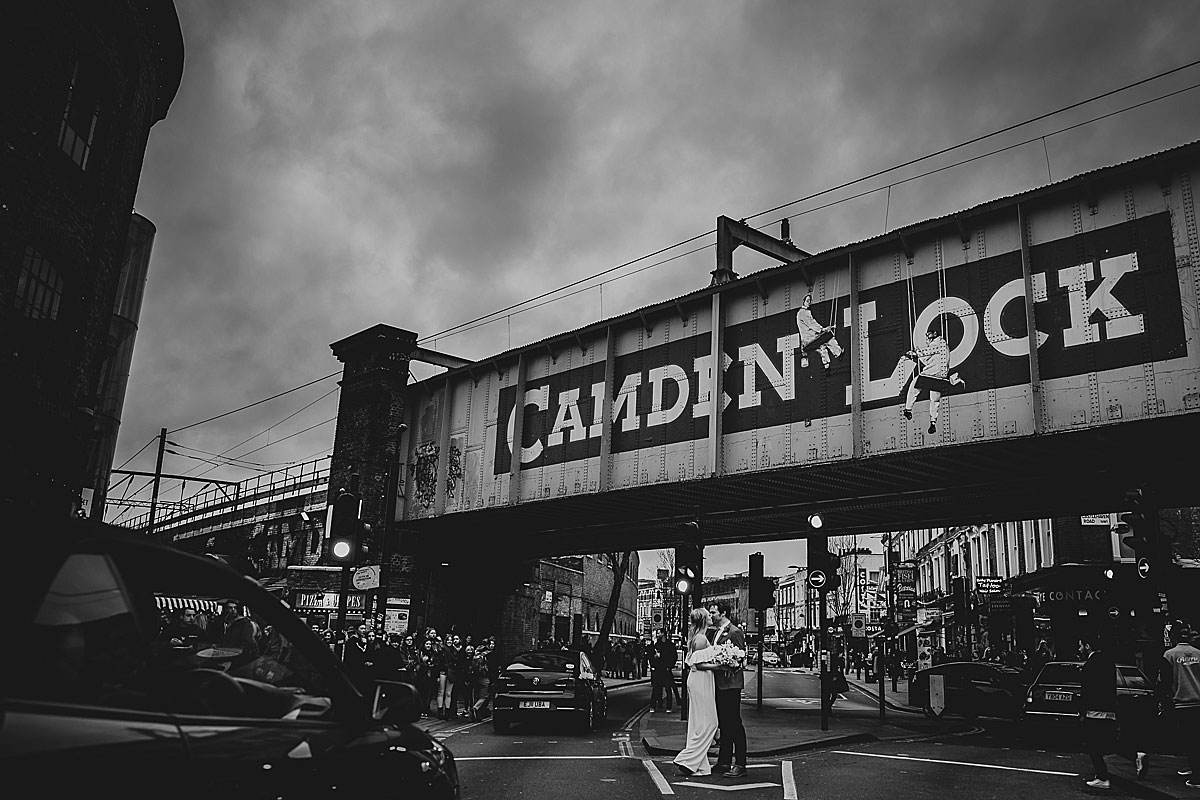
{"x": 702, "y": 699}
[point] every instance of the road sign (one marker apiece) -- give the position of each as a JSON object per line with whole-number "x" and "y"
{"x": 366, "y": 578}
{"x": 816, "y": 578}
{"x": 1143, "y": 565}
{"x": 937, "y": 694}
{"x": 1114, "y": 612}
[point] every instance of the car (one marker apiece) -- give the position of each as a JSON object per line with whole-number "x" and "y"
{"x": 1055, "y": 697}
{"x": 770, "y": 659}
{"x": 544, "y": 684}
{"x": 971, "y": 689}
{"x": 103, "y": 697}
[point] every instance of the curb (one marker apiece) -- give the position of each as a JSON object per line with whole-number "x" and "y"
{"x": 870, "y": 691}
{"x": 654, "y": 748}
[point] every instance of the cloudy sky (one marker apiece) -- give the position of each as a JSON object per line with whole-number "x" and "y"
{"x": 329, "y": 166}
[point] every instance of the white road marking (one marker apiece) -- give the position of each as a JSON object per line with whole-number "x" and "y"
{"x": 535, "y": 758}
{"x": 956, "y": 763}
{"x": 657, "y": 777}
{"x": 789, "y": 781}
{"x": 722, "y": 788}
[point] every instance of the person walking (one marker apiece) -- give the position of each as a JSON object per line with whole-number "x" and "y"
{"x": 702, "y": 701}
{"x": 731, "y": 756}
{"x": 1180, "y": 686}
{"x": 1098, "y": 686}
{"x": 663, "y": 656}
{"x": 835, "y": 680}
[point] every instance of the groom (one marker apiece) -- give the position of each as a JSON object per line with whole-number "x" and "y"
{"x": 730, "y": 683}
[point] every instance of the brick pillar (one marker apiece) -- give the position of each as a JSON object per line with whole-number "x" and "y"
{"x": 370, "y": 411}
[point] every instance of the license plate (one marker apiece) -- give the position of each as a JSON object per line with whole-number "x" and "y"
{"x": 1065, "y": 696}
{"x": 535, "y": 704}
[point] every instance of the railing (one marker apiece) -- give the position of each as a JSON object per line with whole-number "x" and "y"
{"x": 251, "y": 500}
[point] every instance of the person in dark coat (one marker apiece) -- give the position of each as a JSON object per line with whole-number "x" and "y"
{"x": 663, "y": 656}
{"x": 1098, "y": 687}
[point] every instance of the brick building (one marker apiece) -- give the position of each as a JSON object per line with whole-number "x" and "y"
{"x": 83, "y": 82}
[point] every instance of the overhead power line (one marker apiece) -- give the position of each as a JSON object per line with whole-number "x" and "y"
{"x": 493, "y": 315}
{"x": 256, "y": 402}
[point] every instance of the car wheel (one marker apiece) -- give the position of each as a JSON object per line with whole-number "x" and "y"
{"x": 929, "y": 712}
{"x": 589, "y": 718}
{"x": 499, "y": 724}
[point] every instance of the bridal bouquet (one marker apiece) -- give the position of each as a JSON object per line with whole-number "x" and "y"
{"x": 728, "y": 654}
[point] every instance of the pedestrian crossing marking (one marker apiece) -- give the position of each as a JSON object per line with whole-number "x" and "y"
{"x": 723, "y": 788}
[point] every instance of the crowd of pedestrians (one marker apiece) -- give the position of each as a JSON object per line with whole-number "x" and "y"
{"x": 452, "y": 673}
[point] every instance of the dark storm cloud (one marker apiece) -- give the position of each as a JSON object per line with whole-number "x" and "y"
{"x": 328, "y": 166}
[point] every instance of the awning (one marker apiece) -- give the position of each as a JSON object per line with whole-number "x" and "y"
{"x": 188, "y": 602}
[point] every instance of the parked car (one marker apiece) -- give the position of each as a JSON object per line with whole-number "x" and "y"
{"x": 103, "y": 696}
{"x": 1054, "y": 697}
{"x": 770, "y": 658}
{"x": 547, "y": 685}
{"x": 972, "y": 689}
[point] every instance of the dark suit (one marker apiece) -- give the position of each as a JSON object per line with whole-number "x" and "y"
{"x": 729, "y": 700}
{"x": 662, "y": 661}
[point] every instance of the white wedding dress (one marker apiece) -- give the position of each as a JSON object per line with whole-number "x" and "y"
{"x": 702, "y": 710}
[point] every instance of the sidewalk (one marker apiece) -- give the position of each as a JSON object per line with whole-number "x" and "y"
{"x": 775, "y": 731}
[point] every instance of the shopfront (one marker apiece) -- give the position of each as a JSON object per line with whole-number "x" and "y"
{"x": 1070, "y": 600}
{"x": 321, "y": 608}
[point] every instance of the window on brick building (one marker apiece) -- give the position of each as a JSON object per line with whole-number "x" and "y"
{"x": 81, "y": 116}
{"x": 39, "y": 287}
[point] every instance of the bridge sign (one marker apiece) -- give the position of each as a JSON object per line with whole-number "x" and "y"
{"x": 816, "y": 578}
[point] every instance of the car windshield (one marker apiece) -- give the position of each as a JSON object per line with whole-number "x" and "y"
{"x": 559, "y": 662}
{"x": 1060, "y": 673}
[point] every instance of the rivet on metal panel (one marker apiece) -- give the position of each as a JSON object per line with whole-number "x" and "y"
{"x": 1191, "y": 400}
{"x": 1114, "y": 411}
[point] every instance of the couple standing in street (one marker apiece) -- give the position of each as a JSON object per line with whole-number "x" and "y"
{"x": 714, "y": 696}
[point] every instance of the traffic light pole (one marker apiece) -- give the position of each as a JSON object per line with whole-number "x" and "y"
{"x": 762, "y": 629}
{"x": 683, "y": 672}
{"x": 825, "y": 661}
{"x": 343, "y": 597}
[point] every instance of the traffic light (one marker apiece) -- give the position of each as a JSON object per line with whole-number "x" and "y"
{"x": 688, "y": 560}
{"x": 346, "y": 528}
{"x": 835, "y": 573}
{"x": 762, "y": 588}
{"x": 1134, "y": 524}
{"x": 823, "y": 566}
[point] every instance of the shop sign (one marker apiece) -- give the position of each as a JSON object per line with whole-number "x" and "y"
{"x": 988, "y": 585}
{"x": 1096, "y": 519}
{"x": 328, "y": 601}
{"x": 1072, "y": 596}
{"x": 395, "y": 620}
{"x": 928, "y": 616}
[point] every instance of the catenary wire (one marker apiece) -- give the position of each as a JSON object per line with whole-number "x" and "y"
{"x": 463, "y": 326}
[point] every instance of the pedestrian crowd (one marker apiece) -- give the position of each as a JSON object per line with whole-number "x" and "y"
{"x": 452, "y": 673}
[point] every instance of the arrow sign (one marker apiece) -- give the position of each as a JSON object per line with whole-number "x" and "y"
{"x": 1143, "y": 566}
{"x": 816, "y": 578}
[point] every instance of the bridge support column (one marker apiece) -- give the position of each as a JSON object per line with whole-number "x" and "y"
{"x": 371, "y": 429}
